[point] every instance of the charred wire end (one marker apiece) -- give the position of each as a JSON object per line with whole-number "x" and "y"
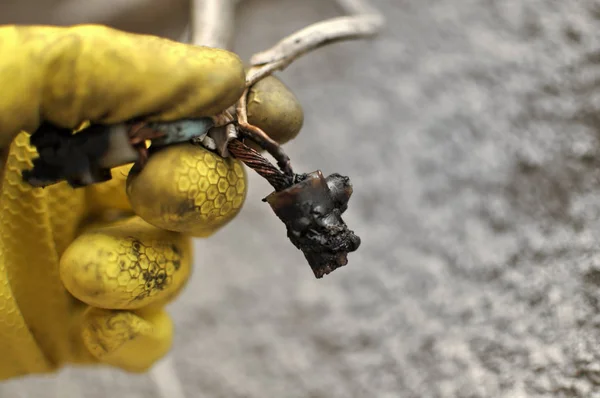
{"x": 311, "y": 212}
{"x": 311, "y": 207}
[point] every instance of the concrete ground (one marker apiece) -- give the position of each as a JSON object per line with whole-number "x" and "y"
{"x": 470, "y": 130}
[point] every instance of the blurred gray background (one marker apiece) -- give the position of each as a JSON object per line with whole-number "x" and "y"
{"x": 470, "y": 130}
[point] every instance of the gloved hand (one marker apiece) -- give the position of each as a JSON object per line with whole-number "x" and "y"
{"x": 82, "y": 279}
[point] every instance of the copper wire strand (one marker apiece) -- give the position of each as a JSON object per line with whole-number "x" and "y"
{"x": 259, "y": 164}
{"x": 267, "y": 143}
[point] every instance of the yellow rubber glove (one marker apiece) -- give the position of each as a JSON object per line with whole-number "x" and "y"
{"x": 82, "y": 279}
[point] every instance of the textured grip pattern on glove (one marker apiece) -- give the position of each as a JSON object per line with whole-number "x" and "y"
{"x": 43, "y": 326}
{"x": 199, "y": 193}
{"x": 35, "y": 228}
{"x": 126, "y": 265}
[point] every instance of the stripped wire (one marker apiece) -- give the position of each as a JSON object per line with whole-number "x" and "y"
{"x": 259, "y": 164}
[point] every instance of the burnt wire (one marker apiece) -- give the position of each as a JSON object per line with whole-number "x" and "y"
{"x": 260, "y": 164}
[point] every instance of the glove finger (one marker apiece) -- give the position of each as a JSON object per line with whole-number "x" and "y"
{"x": 127, "y": 264}
{"x": 188, "y": 189}
{"x": 275, "y": 109}
{"x": 98, "y": 74}
{"x": 130, "y": 340}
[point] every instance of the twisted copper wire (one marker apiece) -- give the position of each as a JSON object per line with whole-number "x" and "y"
{"x": 258, "y": 163}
